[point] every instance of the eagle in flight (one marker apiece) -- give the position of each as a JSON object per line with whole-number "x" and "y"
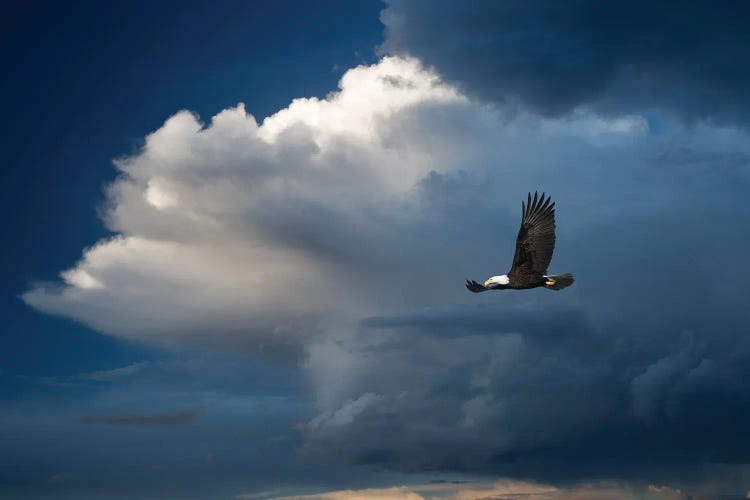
{"x": 534, "y": 247}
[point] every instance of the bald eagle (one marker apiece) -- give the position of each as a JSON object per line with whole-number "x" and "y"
{"x": 534, "y": 247}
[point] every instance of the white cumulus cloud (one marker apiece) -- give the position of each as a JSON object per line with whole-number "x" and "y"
{"x": 246, "y": 231}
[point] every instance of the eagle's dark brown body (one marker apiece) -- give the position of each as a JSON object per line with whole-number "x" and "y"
{"x": 534, "y": 247}
{"x": 526, "y": 282}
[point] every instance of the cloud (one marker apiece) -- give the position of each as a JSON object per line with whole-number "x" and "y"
{"x": 260, "y": 495}
{"x": 339, "y": 232}
{"x": 58, "y": 478}
{"x": 116, "y": 373}
{"x": 167, "y": 419}
{"x": 394, "y": 493}
{"x": 239, "y": 232}
{"x": 497, "y": 490}
{"x": 555, "y": 57}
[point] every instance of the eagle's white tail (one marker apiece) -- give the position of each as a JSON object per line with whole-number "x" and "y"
{"x": 559, "y": 281}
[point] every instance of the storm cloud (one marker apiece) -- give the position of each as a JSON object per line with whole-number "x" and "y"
{"x": 685, "y": 58}
{"x": 337, "y": 235}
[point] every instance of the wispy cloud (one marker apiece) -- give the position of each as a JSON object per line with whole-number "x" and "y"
{"x": 261, "y": 495}
{"x": 115, "y": 373}
{"x": 497, "y": 490}
{"x": 167, "y": 419}
{"x": 58, "y": 478}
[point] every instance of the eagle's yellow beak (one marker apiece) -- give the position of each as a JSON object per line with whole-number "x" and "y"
{"x": 488, "y": 282}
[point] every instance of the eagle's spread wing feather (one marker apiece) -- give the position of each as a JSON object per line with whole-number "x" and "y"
{"x": 536, "y": 238}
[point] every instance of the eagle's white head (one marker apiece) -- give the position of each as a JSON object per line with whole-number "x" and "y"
{"x": 497, "y": 280}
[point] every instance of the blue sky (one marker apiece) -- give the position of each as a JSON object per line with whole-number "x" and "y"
{"x": 239, "y": 234}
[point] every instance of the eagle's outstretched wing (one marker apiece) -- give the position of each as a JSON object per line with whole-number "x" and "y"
{"x": 536, "y": 238}
{"x": 475, "y": 287}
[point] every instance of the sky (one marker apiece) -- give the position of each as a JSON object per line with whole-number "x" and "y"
{"x": 239, "y": 235}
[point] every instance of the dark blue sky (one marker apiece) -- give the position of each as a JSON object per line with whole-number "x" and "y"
{"x": 198, "y": 303}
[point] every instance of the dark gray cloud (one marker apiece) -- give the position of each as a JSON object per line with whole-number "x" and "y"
{"x": 637, "y": 371}
{"x": 485, "y": 319}
{"x": 544, "y": 401}
{"x": 659, "y": 401}
{"x": 174, "y": 418}
{"x": 684, "y": 57}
